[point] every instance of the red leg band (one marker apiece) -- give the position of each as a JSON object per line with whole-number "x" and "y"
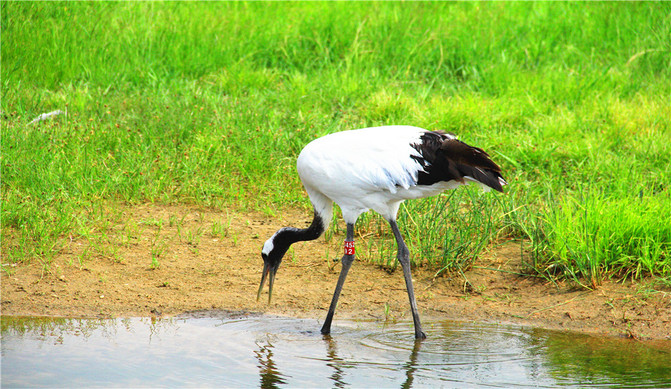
{"x": 349, "y": 247}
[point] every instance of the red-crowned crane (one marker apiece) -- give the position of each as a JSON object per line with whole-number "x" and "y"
{"x": 376, "y": 168}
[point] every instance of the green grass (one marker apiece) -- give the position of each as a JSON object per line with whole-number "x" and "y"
{"x": 210, "y": 103}
{"x": 446, "y": 231}
{"x": 593, "y": 234}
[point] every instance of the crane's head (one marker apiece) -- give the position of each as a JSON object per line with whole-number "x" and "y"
{"x": 272, "y": 254}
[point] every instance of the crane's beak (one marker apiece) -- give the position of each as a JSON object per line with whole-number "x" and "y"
{"x": 267, "y": 270}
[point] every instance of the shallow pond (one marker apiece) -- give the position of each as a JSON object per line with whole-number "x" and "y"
{"x": 224, "y": 350}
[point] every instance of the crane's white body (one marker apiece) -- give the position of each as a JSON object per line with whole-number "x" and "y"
{"x": 370, "y": 168}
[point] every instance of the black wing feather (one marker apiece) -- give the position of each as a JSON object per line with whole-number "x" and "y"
{"x": 444, "y": 158}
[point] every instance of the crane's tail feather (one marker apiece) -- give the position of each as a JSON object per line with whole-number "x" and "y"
{"x": 446, "y": 158}
{"x": 473, "y": 162}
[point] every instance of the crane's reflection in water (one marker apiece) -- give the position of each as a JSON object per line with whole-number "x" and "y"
{"x": 224, "y": 350}
{"x": 336, "y": 363}
{"x": 271, "y": 377}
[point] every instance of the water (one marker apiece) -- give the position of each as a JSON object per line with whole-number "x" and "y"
{"x": 223, "y": 350}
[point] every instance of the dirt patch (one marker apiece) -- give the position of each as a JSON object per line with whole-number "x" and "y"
{"x": 167, "y": 260}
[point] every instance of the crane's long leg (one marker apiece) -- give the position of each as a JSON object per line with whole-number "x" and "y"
{"x": 346, "y": 264}
{"x": 404, "y": 259}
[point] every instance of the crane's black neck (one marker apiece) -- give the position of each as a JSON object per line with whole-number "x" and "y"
{"x": 287, "y": 236}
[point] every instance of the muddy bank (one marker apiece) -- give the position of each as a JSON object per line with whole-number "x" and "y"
{"x": 164, "y": 260}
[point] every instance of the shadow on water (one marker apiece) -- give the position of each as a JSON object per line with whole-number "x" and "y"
{"x": 219, "y": 349}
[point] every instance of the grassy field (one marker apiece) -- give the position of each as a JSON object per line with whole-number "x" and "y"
{"x": 210, "y": 103}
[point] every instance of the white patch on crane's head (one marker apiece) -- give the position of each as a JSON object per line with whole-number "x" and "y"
{"x": 269, "y": 245}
